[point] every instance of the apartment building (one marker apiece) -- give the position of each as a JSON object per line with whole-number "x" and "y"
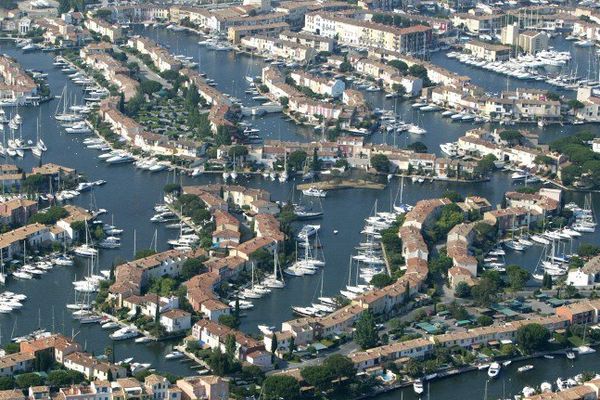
{"x": 359, "y": 33}
{"x": 104, "y": 29}
{"x": 319, "y": 85}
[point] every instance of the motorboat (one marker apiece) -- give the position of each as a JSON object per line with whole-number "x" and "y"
{"x": 124, "y": 333}
{"x": 314, "y": 192}
{"x": 110, "y": 325}
{"x": 525, "y": 368}
{"x": 266, "y": 330}
{"x": 493, "y": 370}
{"x": 174, "y": 355}
{"x": 85, "y": 250}
{"x": 307, "y": 231}
{"x": 418, "y": 386}
{"x": 514, "y": 245}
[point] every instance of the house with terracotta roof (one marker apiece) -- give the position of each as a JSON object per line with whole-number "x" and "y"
{"x": 580, "y": 312}
{"x": 17, "y": 211}
{"x": 11, "y": 242}
{"x": 176, "y": 320}
{"x": 246, "y": 249}
{"x": 16, "y": 363}
{"x": 208, "y": 387}
{"x": 57, "y": 346}
{"x": 12, "y": 394}
{"x": 93, "y": 368}
{"x": 215, "y": 335}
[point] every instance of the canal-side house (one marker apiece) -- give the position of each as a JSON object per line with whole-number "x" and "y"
{"x": 590, "y": 111}
{"x": 93, "y": 368}
{"x": 103, "y": 28}
{"x": 215, "y": 335}
{"x": 319, "y": 85}
{"x": 17, "y": 211}
{"x": 132, "y": 276}
{"x": 415, "y": 348}
{"x": 57, "y": 346}
{"x": 17, "y": 86}
{"x": 16, "y": 363}
{"x": 209, "y": 387}
{"x": 176, "y": 320}
{"x": 581, "y": 312}
{"x": 34, "y": 235}
{"x": 162, "y": 59}
{"x": 488, "y": 52}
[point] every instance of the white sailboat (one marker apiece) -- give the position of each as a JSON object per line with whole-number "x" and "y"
{"x": 275, "y": 281}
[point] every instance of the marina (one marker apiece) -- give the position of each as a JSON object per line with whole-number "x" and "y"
{"x": 339, "y": 249}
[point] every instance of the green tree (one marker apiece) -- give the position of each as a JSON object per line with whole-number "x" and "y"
{"x": 230, "y": 346}
{"x": 484, "y": 320}
{"x": 296, "y": 160}
{"x": 588, "y": 250}
{"x": 277, "y": 387}
{"x": 417, "y": 147}
{"x": 517, "y": 277}
{"x": 172, "y": 188}
{"x": 547, "y": 281}
{"x": 274, "y": 346}
{"x": 575, "y": 104}
{"x": 485, "y": 165}
{"x": 462, "y": 290}
{"x": 399, "y": 65}
{"x": 7, "y": 382}
{"x": 229, "y": 320}
{"x": 532, "y": 337}
{"x": 144, "y": 253}
{"x": 365, "y": 333}
{"x": 238, "y": 151}
{"x": 381, "y": 280}
{"x": 317, "y": 376}
{"x": 223, "y": 136}
{"x": 511, "y": 136}
{"x": 453, "y": 196}
{"x": 150, "y": 87}
{"x": 192, "y": 267}
{"x": 25, "y": 381}
{"x": 380, "y": 162}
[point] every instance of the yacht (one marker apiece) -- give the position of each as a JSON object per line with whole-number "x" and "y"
{"x": 110, "y": 325}
{"x": 314, "y": 192}
{"x": 514, "y": 245}
{"x": 174, "y": 355}
{"x": 120, "y": 159}
{"x": 63, "y": 260}
{"x": 78, "y": 127}
{"x": 308, "y": 231}
{"x": 85, "y": 251}
{"x": 525, "y": 368}
{"x": 22, "y": 275}
{"x": 124, "y": 333}
{"x": 418, "y": 386}
{"x": 266, "y": 330}
{"x": 450, "y": 149}
{"x": 493, "y": 370}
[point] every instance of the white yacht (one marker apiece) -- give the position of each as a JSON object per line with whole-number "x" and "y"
{"x": 493, "y": 370}
{"x": 418, "y": 386}
{"x": 314, "y": 192}
{"x": 124, "y": 333}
